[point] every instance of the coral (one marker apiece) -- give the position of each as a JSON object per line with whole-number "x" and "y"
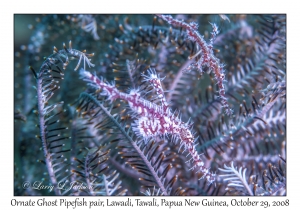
{"x": 151, "y": 105}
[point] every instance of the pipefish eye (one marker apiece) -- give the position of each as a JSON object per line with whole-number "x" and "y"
{"x": 222, "y": 76}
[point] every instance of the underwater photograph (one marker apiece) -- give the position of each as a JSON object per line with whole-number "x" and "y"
{"x": 149, "y": 105}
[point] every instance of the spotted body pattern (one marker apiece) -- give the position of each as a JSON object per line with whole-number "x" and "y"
{"x": 207, "y": 55}
{"x": 152, "y": 119}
